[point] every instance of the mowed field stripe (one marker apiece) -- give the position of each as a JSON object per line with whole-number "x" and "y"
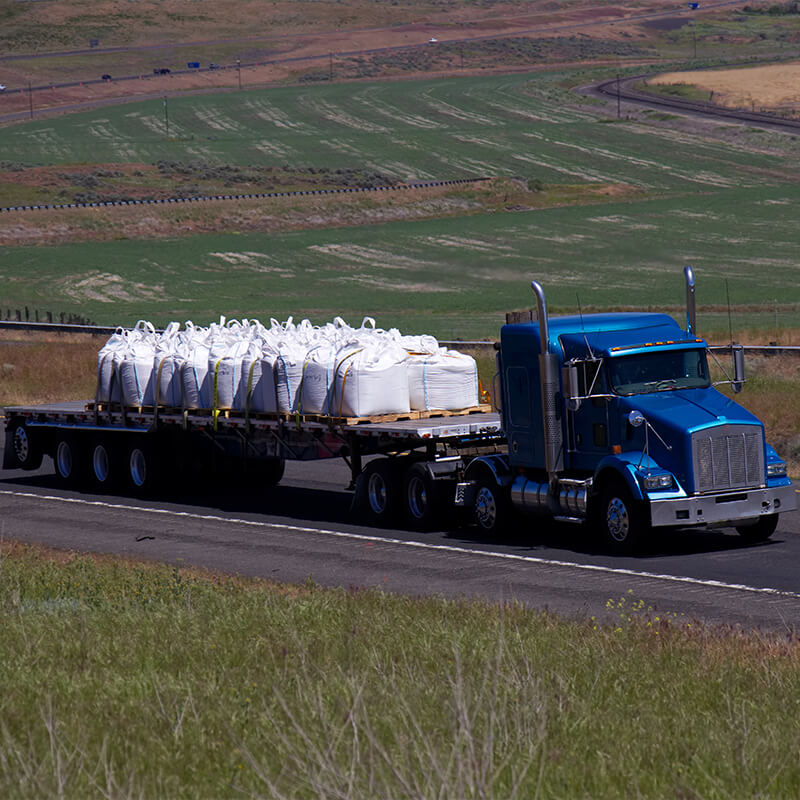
{"x": 444, "y": 548}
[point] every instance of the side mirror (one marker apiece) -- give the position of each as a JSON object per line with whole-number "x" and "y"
{"x": 738, "y": 368}
{"x": 569, "y": 380}
{"x": 635, "y": 418}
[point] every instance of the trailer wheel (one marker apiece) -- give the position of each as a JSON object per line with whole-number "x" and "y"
{"x": 104, "y": 466}
{"x": 422, "y": 498}
{"x": 378, "y": 490}
{"x": 492, "y": 508}
{"x": 622, "y": 519}
{"x": 25, "y": 447}
{"x": 271, "y": 471}
{"x": 68, "y": 459}
{"x": 760, "y": 531}
{"x": 141, "y": 466}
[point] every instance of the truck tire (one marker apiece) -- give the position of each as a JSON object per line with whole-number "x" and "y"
{"x": 68, "y": 457}
{"x": 378, "y": 491}
{"x": 142, "y": 467}
{"x": 105, "y": 468}
{"x": 422, "y": 498}
{"x": 270, "y": 471}
{"x": 622, "y": 520}
{"x": 492, "y": 509}
{"x": 25, "y": 447}
{"x": 761, "y": 531}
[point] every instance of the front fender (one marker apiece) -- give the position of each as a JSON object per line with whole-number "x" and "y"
{"x": 625, "y": 466}
{"x": 497, "y": 464}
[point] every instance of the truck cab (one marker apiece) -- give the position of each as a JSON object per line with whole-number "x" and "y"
{"x": 614, "y": 419}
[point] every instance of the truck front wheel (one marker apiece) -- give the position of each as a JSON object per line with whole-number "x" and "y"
{"x": 492, "y": 506}
{"x": 760, "y": 531}
{"x": 622, "y": 519}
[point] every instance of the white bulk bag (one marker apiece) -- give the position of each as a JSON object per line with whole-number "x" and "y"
{"x": 195, "y": 377}
{"x": 107, "y": 362}
{"x": 446, "y": 380}
{"x": 289, "y": 371}
{"x": 257, "y": 383}
{"x": 226, "y": 372}
{"x": 135, "y": 368}
{"x": 316, "y": 371}
{"x": 370, "y": 380}
{"x": 169, "y": 356}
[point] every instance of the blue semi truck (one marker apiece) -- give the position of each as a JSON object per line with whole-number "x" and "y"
{"x": 610, "y": 420}
{"x": 614, "y": 419}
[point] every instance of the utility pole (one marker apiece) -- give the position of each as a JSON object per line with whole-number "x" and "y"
{"x": 30, "y": 98}
{"x": 166, "y": 116}
{"x": 239, "y": 72}
{"x": 330, "y": 66}
{"x": 618, "y": 108}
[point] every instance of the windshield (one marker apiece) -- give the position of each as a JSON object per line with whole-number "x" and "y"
{"x": 659, "y": 371}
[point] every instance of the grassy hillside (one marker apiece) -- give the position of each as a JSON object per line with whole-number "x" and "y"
{"x": 720, "y": 199}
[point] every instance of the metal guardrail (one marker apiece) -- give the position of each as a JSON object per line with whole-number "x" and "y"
{"x": 107, "y": 330}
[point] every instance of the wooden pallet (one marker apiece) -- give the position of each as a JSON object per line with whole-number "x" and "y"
{"x": 410, "y": 415}
{"x": 228, "y": 413}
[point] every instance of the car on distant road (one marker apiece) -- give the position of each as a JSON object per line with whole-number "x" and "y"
{"x": 161, "y": 71}
{"x": 2, "y": 87}
{"x": 212, "y": 65}
{"x": 432, "y": 40}
{"x": 106, "y": 77}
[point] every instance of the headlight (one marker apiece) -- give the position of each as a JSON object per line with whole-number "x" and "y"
{"x": 777, "y": 469}
{"x": 658, "y": 482}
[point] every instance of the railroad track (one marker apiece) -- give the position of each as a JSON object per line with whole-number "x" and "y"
{"x": 624, "y": 90}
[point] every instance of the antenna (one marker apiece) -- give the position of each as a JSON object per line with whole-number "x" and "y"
{"x": 730, "y": 324}
{"x": 583, "y": 328}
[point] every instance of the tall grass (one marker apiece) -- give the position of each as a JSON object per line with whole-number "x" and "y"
{"x": 35, "y": 368}
{"x": 128, "y": 680}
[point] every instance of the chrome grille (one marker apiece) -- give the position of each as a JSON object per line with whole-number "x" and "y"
{"x": 728, "y": 457}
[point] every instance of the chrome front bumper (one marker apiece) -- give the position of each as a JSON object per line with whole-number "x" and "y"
{"x": 726, "y": 507}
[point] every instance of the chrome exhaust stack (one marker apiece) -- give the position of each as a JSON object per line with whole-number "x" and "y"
{"x": 691, "y": 312}
{"x": 550, "y": 385}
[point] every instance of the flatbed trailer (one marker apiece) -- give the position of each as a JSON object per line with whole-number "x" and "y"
{"x": 422, "y": 455}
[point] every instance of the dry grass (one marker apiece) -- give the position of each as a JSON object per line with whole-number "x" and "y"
{"x": 772, "y": 86}
{"x": 42, "y": 368}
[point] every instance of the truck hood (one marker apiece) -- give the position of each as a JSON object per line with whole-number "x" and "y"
{"x": 675, "y": 416}
{"x": 687, "y": 410}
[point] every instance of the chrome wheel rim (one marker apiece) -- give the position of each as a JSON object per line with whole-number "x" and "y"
{"x": 618, "y": 521}
{"x": 376, "y": 493}
{"x": 417, "y": 496}
{"x": 22, "y": 447}
{"x": 485, "y": 508}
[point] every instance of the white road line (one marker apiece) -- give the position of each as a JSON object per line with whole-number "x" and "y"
{"x": 446, "y": 548}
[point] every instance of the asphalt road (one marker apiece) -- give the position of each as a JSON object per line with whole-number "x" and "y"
{"x": 304, "y": 529}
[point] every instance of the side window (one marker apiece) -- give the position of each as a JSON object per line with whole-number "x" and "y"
{"x": 519, "y": 399}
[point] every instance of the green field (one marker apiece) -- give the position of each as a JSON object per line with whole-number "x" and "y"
{"x": 719, "y": 198}
{"x": 450, "y": 277}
